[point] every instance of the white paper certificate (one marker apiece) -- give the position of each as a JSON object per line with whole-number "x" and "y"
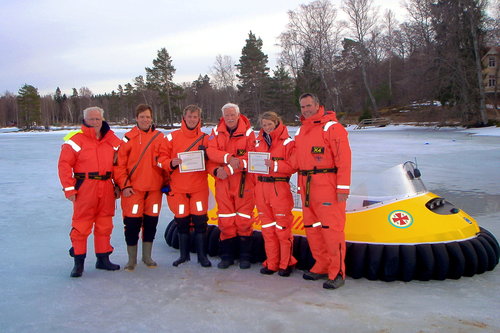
{"x": 256, "y": 162}
{"x": 192, "y": 161}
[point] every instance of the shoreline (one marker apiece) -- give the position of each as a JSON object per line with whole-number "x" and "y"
{"x": 477, "y": 131}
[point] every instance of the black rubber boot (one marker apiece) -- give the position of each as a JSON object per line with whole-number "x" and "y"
{"x": 245, "y": 251}
{"x": 285, "y": 272}
{"x": 184, "y": 246}
{"x": 335, "y": 283}
{"x": 104, "y": 263}
{"x": 226, "y": 248}
{"x": 200, "y": 229}
{"x": 78, "y": 268}
{"x": 308, "y": 275}
{"x": 199, "y": 241}
{"x": 266, "y": 271}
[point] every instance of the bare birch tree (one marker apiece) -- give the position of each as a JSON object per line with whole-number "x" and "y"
{"x": 420, "y": 15}
{"x": 363, "y": 20}
{"x": 314, "y": 27}
{"x": 223, "y": 72}
{"x": 389, "y": 24}
{"x": 473, "y": 12}
{"x": 493, "y": 30}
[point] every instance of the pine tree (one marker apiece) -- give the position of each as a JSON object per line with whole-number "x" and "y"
{"x": 140, "y": 88}
{"x": 281, "y": 94}
{"x": 308, "y": 79}
{"x": 254, "y": 77}
{"x": 29, "y": 106}
{"x": 60, "y": 100}
{"x": 203, "y": 95}
{"x": 459, "y": 29}
{"x": 74, "y": 105}
{"x": 129, "y": 94}
{"x": 114, "y": 106}
{"x": 159, "y": 77}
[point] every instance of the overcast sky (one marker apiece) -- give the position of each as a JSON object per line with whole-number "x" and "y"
{"x": 101, "y": 44}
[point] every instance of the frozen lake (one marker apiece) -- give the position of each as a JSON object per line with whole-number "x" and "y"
{"x": 38, "y": 294}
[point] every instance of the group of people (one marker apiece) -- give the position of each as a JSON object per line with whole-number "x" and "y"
{"x": 96, "y": 167}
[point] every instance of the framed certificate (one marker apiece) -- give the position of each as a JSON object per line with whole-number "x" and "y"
{"x": 256, "y": 162}
{"x": 192, "y": 161}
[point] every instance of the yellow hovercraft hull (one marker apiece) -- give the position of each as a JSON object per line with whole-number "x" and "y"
{"x": 403, "y": 239}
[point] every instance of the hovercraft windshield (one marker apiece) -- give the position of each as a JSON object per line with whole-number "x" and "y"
{"x": 399, "y": 182}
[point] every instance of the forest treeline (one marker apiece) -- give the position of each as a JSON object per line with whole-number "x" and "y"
{"x": 358, "y": 59}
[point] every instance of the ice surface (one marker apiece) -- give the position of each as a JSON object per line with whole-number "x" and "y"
{"x": 39, "y": 296}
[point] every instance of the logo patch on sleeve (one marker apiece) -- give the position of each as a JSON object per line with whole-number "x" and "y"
{"x": 318, "y": 150}
{"x": 241, "y": 152}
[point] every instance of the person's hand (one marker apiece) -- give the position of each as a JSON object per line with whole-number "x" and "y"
{"x": 72, "y": 198}
{"x": 175, "y": 162}
{"x": 117, "y": 192}
{"x": 221, "y": 173}
{"x": 268, "y": 163}
{"x": 127, "y": 192}
{"x": 234, "y": 163}
{"x": 342, "y": 197}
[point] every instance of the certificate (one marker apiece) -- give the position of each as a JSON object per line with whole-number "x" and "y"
{"x": 192, "y": 161}
{"x": 256, "y": 162}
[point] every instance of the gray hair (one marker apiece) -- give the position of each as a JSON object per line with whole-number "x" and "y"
{"x": 92, "y": 108}
{"x": 230, "y": 106}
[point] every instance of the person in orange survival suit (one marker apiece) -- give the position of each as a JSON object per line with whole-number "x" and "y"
{"x": 85, "y": 171}
{"x": 140, "y": 181}
{"x": 188, "y": 198}
{"x": 322, "y": 156}
{"x": 273, "y": 197}
{"x": 228, "y": 146}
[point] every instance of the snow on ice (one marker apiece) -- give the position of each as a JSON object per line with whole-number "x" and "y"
{"x": 37, "y": 294}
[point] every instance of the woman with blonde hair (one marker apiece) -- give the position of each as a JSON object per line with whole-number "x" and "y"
{"x": 273, "y": 197}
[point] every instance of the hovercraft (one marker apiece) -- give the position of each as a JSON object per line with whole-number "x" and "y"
{"x": 395, "y": 230}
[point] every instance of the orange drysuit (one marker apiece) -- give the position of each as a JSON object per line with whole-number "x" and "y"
{"x": 146, "y": 179}
{"x": 235, "y": 194}
{"x": 85, "y": 169}
{"x": 136, "y": 169}
{"x": 274, "y": 200}
{"x": 323, "y": 156}
{"x": 189, "y": 190}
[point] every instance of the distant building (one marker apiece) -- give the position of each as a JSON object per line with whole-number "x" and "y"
{"x": 491, "y": 69}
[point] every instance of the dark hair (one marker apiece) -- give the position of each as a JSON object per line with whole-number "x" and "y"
{"x": 192, "y": 108}
{"x": 141, "y": 108}
{"x": 313, "y": 96}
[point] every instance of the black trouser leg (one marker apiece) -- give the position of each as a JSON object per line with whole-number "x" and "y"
{"x": 184, "y": 239}
{"x": 245, "y": 251}
{"x": 200, "y": 229}
{"x": 149, "y": 228}
{"x": 132, "y": 229}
